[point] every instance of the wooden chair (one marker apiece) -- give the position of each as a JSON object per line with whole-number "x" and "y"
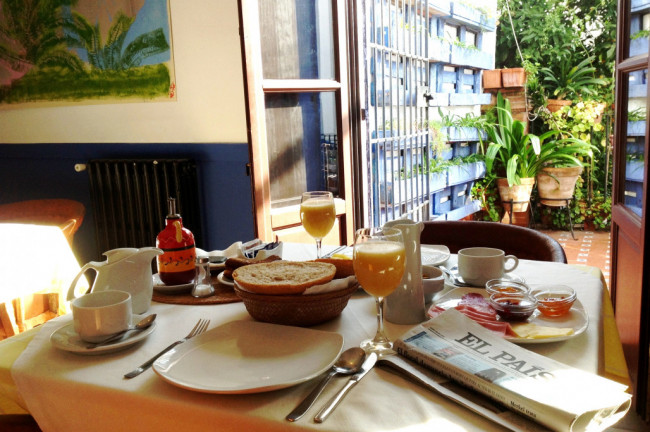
{"x": 64, "y": 213}
{"x": 18, "y": 423}
{"x": 524, "y": 243}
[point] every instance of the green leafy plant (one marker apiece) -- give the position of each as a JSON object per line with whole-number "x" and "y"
{"x": 485, "y": 191}
{"x": 571, "y": 81}
{"x": 579, "y": 120}
{"x": 638, "y": 114}
{"x": 523, "y": 155}
{"x": 640, "y": 34}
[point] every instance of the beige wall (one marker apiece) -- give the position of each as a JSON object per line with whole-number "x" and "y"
{"x": 210, "y": 93}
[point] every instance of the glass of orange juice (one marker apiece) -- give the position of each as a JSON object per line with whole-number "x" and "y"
{"x": 317, "y": 214}
{"x": 379, "y": 258}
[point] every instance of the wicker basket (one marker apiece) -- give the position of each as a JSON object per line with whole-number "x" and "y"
{"x": 296, "y": 310}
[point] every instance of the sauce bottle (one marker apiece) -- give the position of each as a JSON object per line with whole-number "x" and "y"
{"x": 177, "y": 264}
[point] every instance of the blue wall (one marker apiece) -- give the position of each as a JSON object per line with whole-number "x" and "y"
{"x": 38, "y": 171}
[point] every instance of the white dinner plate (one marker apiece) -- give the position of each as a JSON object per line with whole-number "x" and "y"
{"x": 434, "y": 255}
{"x": 66, "y": 339}
{"x": 249, "y": 357}
{"x": 224, "y": 280}
{"x": 576, "y": 319}
{"x": 160, "y": 287}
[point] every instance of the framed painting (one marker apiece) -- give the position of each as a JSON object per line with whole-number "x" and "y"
{"x": 62, "y": 52}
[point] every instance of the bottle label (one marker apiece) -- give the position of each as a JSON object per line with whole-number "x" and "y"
{"x": 177, "y": 259}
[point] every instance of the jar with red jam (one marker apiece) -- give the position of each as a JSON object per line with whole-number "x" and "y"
{"x": 555, "y": 300}
{"x": 177, "y": 264}
{"x": 513, "y": 307}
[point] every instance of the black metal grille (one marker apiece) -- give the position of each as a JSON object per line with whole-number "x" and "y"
{"x": 129, "y": 199}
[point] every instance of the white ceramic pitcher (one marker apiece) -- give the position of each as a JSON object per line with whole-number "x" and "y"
{"x": 125, "y": 269}
{"x": 406, "y": 304}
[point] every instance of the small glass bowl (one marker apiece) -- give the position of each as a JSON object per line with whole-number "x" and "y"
{"x": 506, "y": 287}
{"x": 555, "y": 300}
{"x": 513, "y": 307}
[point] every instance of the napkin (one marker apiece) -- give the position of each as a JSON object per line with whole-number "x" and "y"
{"x": 232, "y": 251}
{"x": 236, "y": 250}
{"x": 333, "y": 285}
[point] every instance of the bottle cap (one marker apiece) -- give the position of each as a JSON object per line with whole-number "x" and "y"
{"x": 171, "y": 207}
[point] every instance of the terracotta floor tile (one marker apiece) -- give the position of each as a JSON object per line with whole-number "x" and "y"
{"x": 590, "y": 248}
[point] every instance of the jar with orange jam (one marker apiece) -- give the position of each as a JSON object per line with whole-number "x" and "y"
{"x": 506, "y": 287}
{"x": 555, "y": 300}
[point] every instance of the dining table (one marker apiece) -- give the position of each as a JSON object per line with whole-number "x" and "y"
{"x": 66, "y": 391}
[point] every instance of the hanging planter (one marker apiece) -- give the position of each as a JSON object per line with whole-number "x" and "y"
{"x": 557, "y": 184}
{"x": 555, "y": 105}
{"x": 519, "y": 194}
{"x": 515, "y": 77}
{"x": 492, "y": 79}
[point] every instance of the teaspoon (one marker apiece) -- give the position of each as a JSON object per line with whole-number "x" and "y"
{"x": 349, "y": 362}
{"x": 143, "y": 324}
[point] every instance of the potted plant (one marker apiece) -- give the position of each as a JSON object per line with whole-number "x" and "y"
{"x": 509, "y": 153}
{"x": 570, "y": 82}
{"x": 556, "y": 181}
{"x": 517, "y": 157}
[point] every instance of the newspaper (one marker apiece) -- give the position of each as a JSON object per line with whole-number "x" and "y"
{"x": 560, "y": 397}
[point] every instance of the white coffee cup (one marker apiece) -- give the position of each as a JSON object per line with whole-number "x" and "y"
{"x": 477, "y": 265}
{"x": 100, "y": 314}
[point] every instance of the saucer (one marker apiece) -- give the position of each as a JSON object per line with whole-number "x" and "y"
{"x": 224, "y": 280}
{"x": 506, "y": 276}
{"x": 66, "y": 339}
{"x": 160, "y": 287}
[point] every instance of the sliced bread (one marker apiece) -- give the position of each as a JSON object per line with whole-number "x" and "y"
{"x": 283, "y": 277}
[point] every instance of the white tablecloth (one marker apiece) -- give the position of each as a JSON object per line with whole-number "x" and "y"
{"x": 68, "y": 392}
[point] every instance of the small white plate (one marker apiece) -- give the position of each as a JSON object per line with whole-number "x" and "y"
{"x": 224, "y": 280}
{"x": 249, "y": 357}
{"x": 66, "y": 339}
{"x": 160, "y": 287}
{"x": 576, "y": 319}
{"x": 434, "y": 255}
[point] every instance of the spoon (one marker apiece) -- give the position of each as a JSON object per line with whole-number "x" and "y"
{"x": 454, "y": 279}
{"x": 143, "y": 324}
{"x": 349, "y": 362}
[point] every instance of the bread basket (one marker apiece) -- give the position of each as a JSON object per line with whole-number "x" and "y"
{"x": 298, "y": 309}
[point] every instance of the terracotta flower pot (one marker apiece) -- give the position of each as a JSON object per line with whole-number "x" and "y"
{"x": 515, "y": 77}
{"x": 556, "y": 184}
{"x": 518, "y": 194}
{"x": 554, "y": 105}
{"x": 492, "y": 79}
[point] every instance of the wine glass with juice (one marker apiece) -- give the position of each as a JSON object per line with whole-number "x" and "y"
{"x": 317, "y": 213}
{"x": 379, "y": 261}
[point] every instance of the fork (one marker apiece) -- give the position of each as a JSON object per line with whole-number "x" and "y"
{"x": 199, "y": 328}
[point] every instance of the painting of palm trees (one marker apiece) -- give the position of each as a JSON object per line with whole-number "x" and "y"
{"x": 85, "y": 51}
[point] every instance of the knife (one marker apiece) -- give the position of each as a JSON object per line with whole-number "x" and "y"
{"x": 327, "y": 409}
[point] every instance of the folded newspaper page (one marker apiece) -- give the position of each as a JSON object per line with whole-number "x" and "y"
{"x": 450, "y": 389}
{"x": 558, "y": 396}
